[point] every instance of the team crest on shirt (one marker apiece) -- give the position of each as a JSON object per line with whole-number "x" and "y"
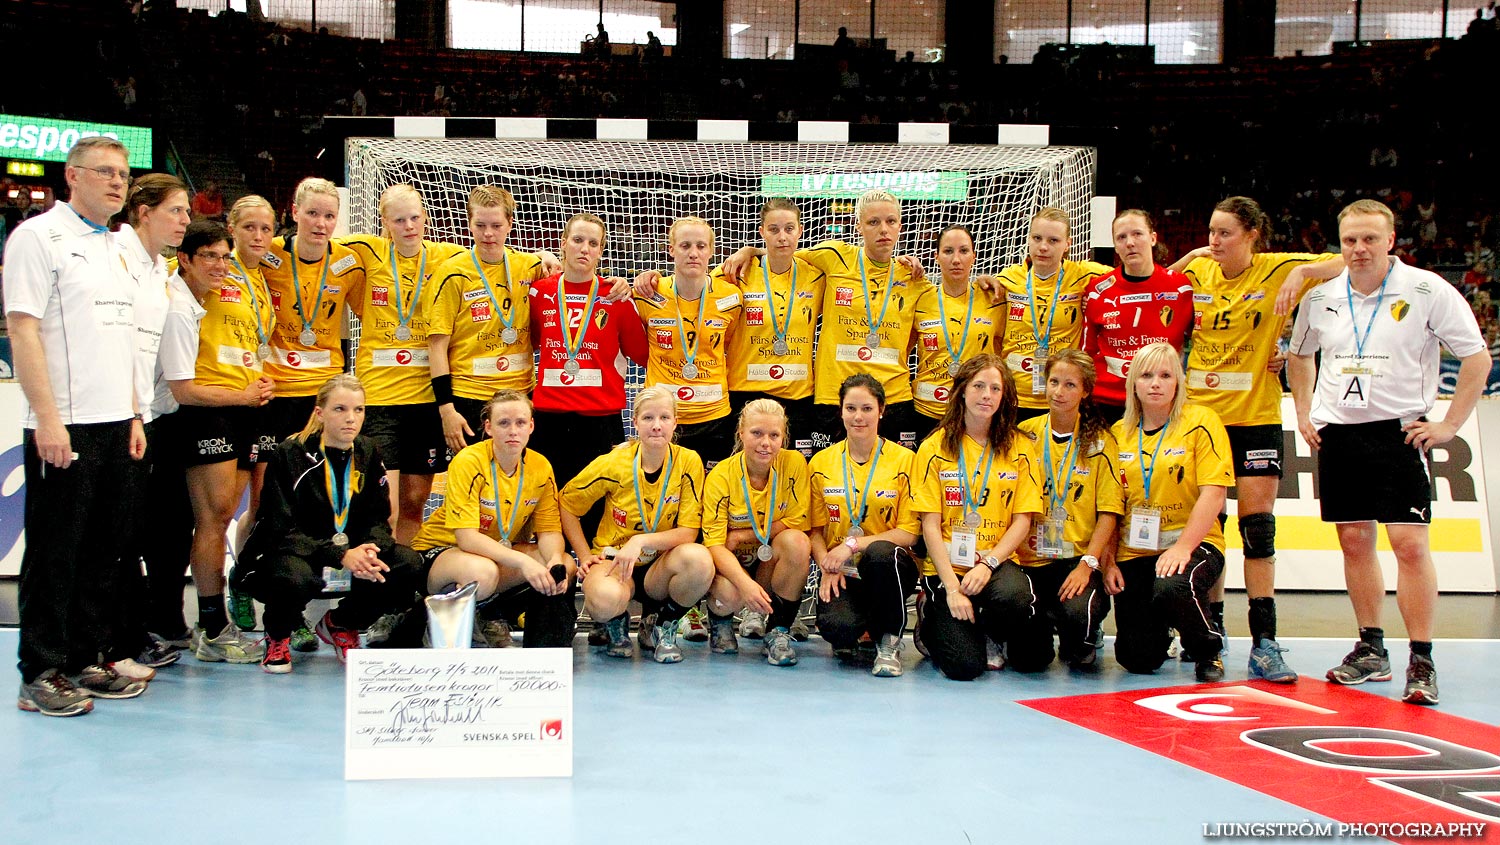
{"x": 843, "y": 296}
{"x": 601, "y": 319}
{"x": 1399, "y": 309}
{"x": 1165, "y": 315}
{"x": 380, "y": 296}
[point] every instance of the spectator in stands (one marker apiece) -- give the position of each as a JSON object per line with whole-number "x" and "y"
{"x": 654, "y": 49}
{"x": 601, "y": 41}
{"x": 209, "y": 202}
{"x": 843, "y": 45}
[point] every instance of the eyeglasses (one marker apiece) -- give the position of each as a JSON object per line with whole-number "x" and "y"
{"x": 123, "y": 174}
{"x": 210, "y": 255}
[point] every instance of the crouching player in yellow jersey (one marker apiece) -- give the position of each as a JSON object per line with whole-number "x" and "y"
{"x": 977, "y": 494}
{"x": 1070, "y": 556}
{"x": 1174, "y": 466}
{"x": 1236, "y": 331}
{"x": 862, "y": 529}
{"x": 401, "y": 416}
{"x": 754, "y": 517}
{"x": 645, "y": 545}
{"x": 496, "y": 489}
{"x": 955, "y": 321}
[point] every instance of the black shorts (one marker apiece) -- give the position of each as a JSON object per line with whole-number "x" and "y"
{"x": 472, "y": 410}
{"x": 408, "y": 437}
{"x": 570, "y": 441}
{"x": 1367, "y": 472}
{"x": 284, "y": 416}
{"x": 799, "y": 418}
{"x": 1256, "y": 449}
{"x": 713, "y": 440}
{"x": 204, "y": 435}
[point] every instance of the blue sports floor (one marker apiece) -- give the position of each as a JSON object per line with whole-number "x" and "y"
{"x": 713, "y": 750}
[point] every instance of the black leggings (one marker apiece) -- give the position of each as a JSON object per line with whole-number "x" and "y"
{"x": 1076, "y": 620}
{"x": 957, "y": 648}
{"x": 1149, "y": 605}
{"x": 285, "y": 584}
{"x": 875, "y": 602}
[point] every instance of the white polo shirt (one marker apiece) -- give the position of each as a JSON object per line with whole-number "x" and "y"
{"x": 1396, "y": 377}
{"x": 148, "y": 274}
{"x": 62, "y": 270}
{"x": 177, "y": 360}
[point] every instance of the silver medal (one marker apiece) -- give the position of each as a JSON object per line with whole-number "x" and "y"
{"x": 971, "y": 519}
{"x": 856, "y": 531}
{"x": 953, "y": 368}
{"x": 308, "y": 338}
{"x": 263, "y": 352}
{"x": 403, "y": 333}
{"x": 341, "y": 540}
{"x": 505, "y": 541}
{"x": 779, "y": 347}
{"x": 872, "y": 340}
{"x": 690, "y": 371}
{"x": 571, "y": 367}
{"x": 509, "y": 335}
{"x": 763, "y": 553}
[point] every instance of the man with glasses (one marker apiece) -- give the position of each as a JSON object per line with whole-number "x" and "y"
{"x": 71, "y": 314}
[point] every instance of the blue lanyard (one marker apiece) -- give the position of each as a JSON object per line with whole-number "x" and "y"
{"x": 689, "y": 357}
{"x": 260, "y": 331}
{"x": 943, "y": 323}
{"x": 291, "y": 253}
{"x": 403, "y": 318}
{"x": 571, "y": 344}
{"x": 338, "y": 495}
{"x": 963, "y": 475}
{"x": 1140, "y": 450}
{"x": 791, "y": 299}
{"x": 1359, "y": 342}
{"x": 857, "y": 517}
{"x": 94, "y": 227}
{"x": 1057, "y": 494}
{"x": 1044, "y": 340}
{"x": 515, "y": 508}
{"x": 661, "y": 496}
{"x": 505, "y": 319}
{"x": 763, "y": 536}
{"x": 864, "y": 282}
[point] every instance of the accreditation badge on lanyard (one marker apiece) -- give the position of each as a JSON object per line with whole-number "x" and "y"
{"x": 961, "y": 548}
{"x": 1356, "y": 380}
{"x": 337, "y": 579}
{"x": 963, "y": 542}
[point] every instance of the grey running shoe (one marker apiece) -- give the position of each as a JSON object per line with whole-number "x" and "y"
{"x": 380, "y": 630}
{"x": 646, "y": 636}
{"x": 887, "y": 657}
{"x": 916, "y": 632}
{"x": 492, "y": 633}
{"x": 664, "y": 643}
{"x": 1362, "y": 664}
{"x": 752, "y": 625}
{"x": 100, "y": 681}
{"x": 778, "y": 648}
{"x": 721, "y": 638}
{"x": 1266, "y": 663}
{"x": 1421, "y": 681}
{"x": 52, "y": 694}
{"x": 619, "y": 637}
{"x": 800, "y": 632}
{"x": 598, "y": 634}
{"x": 994, "y": 655}
{"x": 159, "y": 654}
{"x": 304, "y": 640}
{"x": 182, "y": 642}
{"x": 231, "y": 646}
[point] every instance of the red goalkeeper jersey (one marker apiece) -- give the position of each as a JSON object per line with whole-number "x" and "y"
{"x": 1121, "y": 315}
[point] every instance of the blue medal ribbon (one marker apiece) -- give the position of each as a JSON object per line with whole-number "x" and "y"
{"x": 873, "y": 324}
{"x": 1043, "y": 340}
{"x": 778, "y": 328}
{"x": 261, "y": 333}
{"x": 506, "y": 320}
{"x": 403, "y": 318}
{"x": 661, "y": 496}
{"x": 763, "y": 536}
{"x": 515, "y": 508}
{"x": 970, "y": 503}
{"x": 291, "y": 251}
{"x": 857, "y": 516}
{"x": 943, "y": 324}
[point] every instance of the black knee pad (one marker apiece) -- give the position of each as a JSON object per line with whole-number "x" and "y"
{"x": 1258, "y": 534}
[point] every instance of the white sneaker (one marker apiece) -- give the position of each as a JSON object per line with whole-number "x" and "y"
{"x": 753, "y": 625}
{"x": 994, "y": 655}
{"x": 231, "y": 646}
{"x": 887, "y": 657}
{"x": 128, "y": 668}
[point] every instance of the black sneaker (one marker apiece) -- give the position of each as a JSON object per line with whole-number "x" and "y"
{"x": 1362, "y": 664}
{"x": 1209, "y": 671}
{"x": 1421, "y": 681}
{"x": 102, "y": 681}
{"x": 158, "y": 654}
{"x": 52, "y": 694}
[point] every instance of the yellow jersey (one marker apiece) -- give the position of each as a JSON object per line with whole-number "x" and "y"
{"x": 634, "y": 505}
{"x": 1235, "y": 333}
{"x": 950, "y": 330}
{"x": 861, "y": 297}
{"x": 703, "y": 328}
{"x": 726, "y": 508}
{"x": 837, "y": 491}
{"x": 309, "y": 296}
{"x": 1092, "y": 488}
{"x": 1011, "y": 488}
{"x": 238, "y": 321}
{"x": 1182, "y": 458}
{"x": 392, "y": 362}
{"x": 478, "y": 305}
{"x": 528, "y": 495}
{"x": 1050, "y": 308}
{"x": 784, "y": 312}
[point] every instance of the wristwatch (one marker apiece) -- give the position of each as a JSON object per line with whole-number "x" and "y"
{"x": 852, "y": 545}
{"x": 992, "y": 562}
{"x": 1093, "y": 562}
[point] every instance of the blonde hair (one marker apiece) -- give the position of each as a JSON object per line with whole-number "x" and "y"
{"x": 586, "y": 217}
{"x": 688, "y": 221}
{"x": 645, "y": 396}
{"x": 1373, "y": 207}
{"x": 244, "y": 204}
{"x": 768, "y": 407}
{"x": 314, "y": 185}
{"x": 397, "y": 193}
{"x": 869, "y": 198}
{"x": 1056, "y": 215}
{"x": 1148, "y": 357}
{"x": 493, "y": 196}
{"x": 779, "y": 204}
{"x": 342, "y": 381}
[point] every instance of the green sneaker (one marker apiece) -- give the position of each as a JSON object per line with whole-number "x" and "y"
{"x": 304, "y": 640}
{"x": 241, "y": 609}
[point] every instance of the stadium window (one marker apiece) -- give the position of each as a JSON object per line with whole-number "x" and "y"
{"x": 760, "y": 29}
